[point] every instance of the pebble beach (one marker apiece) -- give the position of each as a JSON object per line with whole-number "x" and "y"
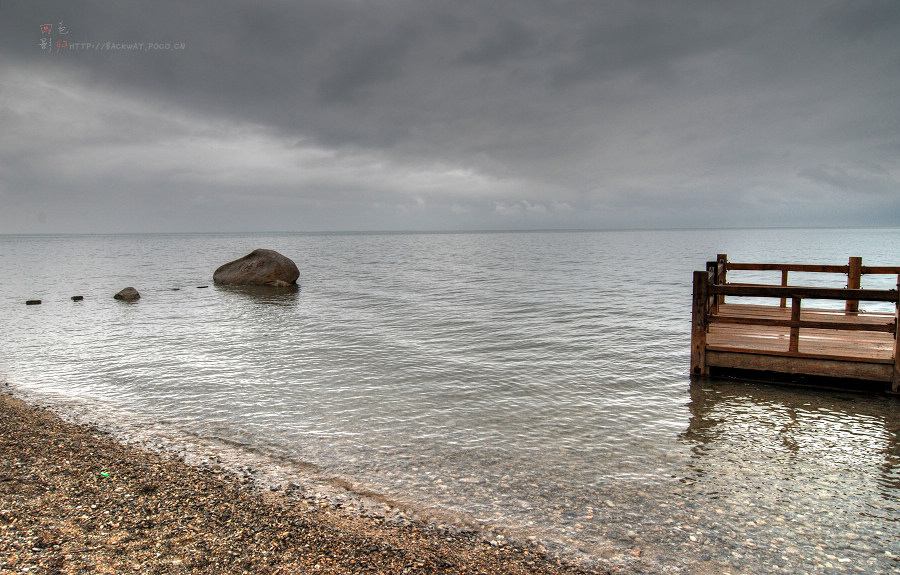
{"x": 74, "y": 500}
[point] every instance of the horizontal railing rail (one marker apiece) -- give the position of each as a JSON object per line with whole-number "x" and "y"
{"x": 880, "y": 270}
{"x": 744, "y": 290}
{"x": 811, "y": 268}
{"x": 805, "y": 268}
{"x": 807, "y": 324}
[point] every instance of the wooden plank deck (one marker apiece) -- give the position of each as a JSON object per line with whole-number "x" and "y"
{"x": 844, "y": 345}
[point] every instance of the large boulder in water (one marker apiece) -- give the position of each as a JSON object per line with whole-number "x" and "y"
{"x": 259, "y": 267}
{"x": 127, "y": 294}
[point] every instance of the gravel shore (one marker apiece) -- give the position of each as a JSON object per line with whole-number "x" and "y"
{"x": 73, "y": 500}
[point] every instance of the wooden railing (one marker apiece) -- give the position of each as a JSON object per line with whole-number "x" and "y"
{"x": 854, "y": 270}
{"x": 710, "y": 290}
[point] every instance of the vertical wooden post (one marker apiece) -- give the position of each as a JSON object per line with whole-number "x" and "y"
{"x": 723, "y": 270}
{"x": 854, "y": 271}
{"x": 699, "y": 323}
{"x": 784, "y": 283}
{"x": 895, "y": 385}
{"x": 712, "y": 272}
{"x": 794, "y": 345}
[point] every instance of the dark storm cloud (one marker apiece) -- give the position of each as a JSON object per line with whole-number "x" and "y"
{"x": 510, "y": 41}
{"x": 418, "y": 114}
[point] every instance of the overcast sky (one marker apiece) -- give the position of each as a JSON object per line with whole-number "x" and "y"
{"x": 447, "y": 115}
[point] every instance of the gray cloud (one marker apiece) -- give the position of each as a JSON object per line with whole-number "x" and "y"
{"x": 449, "y": 115}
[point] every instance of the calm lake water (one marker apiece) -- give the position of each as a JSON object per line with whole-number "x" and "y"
{"x": 535, "y": 383}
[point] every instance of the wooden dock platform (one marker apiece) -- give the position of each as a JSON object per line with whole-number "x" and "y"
{"x": 789, "y": 339}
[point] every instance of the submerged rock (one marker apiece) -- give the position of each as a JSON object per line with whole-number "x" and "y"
{"x": 259, "y": 267}
{"x": 128, "y": 294}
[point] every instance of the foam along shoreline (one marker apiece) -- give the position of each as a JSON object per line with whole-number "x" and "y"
{"x": 74, "y": 499}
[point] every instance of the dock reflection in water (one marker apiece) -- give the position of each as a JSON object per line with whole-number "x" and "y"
{"x": 804, "y": 477}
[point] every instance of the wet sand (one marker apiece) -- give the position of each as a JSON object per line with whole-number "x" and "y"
{"x": 73, "y": 500}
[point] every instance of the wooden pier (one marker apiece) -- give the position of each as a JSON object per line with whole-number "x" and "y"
{"x": 789, "y": 339}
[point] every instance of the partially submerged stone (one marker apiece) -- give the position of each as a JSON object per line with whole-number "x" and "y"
{"x": 259, "y": 267}
{"x": 128, "y": 294}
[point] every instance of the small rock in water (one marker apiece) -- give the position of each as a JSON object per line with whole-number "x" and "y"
{"x": 33, "y": 302}
{"x": 128, "y": 294}
{"x": 77, "y": 298}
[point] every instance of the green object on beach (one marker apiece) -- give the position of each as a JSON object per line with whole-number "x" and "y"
{"x": 104, "y": 474}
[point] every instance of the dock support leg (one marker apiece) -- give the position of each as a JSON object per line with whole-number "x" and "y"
{"x": 699, "y": 324}
{"x": 895, "y": 385}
